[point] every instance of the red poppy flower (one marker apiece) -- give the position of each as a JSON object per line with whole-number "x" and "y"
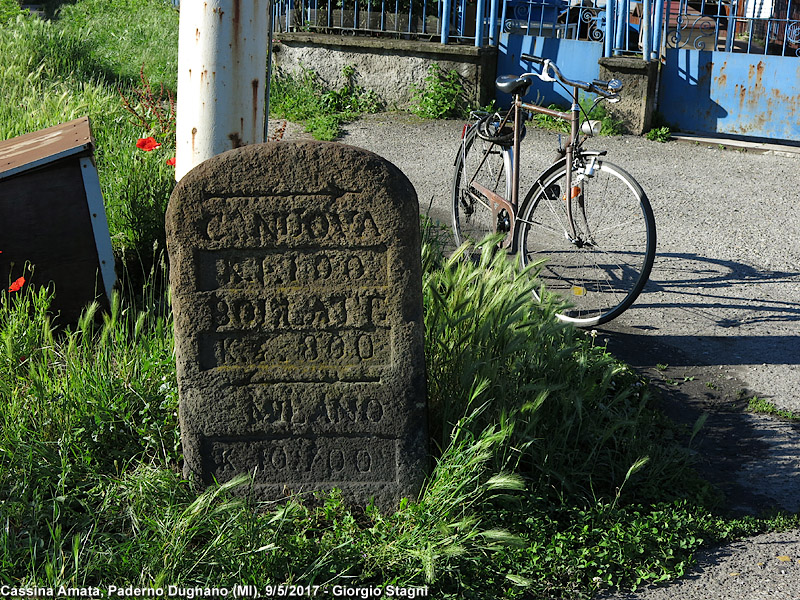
{"x": 147, "y": 144}
{"x": 17, "y": 285}
{"x": 171, "y": 161}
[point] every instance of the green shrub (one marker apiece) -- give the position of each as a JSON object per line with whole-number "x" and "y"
{"x": 9, "y": 10}
{"x": 660, "y": 134}
{"x": 610, "y": 125}
{"x": 441, "y": 96}
{"x": 301, "y": 97}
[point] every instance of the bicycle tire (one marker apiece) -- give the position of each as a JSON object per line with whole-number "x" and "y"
{"x": 602, "y": 271}
{"x": 472, "y": 218}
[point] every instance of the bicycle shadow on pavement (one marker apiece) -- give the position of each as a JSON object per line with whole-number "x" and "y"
{"x": 697, "y": 304}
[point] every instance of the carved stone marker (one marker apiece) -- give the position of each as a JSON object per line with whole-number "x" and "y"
{"x": 296, "y": 291}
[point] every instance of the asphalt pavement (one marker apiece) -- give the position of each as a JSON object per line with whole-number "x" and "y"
{"x": 716, "y": 325}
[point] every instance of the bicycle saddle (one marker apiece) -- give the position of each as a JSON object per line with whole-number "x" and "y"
{"x": 511, "y": 84}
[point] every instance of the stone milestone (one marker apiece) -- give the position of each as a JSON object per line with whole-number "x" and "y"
{"x": 296, "y": 292}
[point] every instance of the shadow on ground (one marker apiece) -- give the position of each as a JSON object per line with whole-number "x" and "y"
{"x": 754, "y": 460}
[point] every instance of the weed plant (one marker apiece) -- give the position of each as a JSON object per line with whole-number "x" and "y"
{"x": 760, "y": 405}
{"x": 659, "y": 134}
{"x": 441, "y": 95}
{"x": 610, "y": 125}
{"x": 301, "y": 97}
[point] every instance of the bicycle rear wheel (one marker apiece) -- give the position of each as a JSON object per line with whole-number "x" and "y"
{"x": 489, "y": 165}
{"x": 602, "y": 269}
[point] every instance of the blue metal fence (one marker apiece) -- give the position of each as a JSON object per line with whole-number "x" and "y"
{"x": 635, "y": 25}
{"x": 639, "y": 27}
{"x": 747, "y": 26}
{"x": 480, "y": 22}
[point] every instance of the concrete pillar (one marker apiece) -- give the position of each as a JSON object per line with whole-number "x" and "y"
{"x": 637, "y": 100}
{"x": 222, "y": 63}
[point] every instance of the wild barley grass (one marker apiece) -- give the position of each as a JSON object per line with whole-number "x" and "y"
{"x": 581, "y": 420}
{"x": 90, "y": 460}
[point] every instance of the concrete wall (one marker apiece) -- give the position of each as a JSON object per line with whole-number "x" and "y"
{"x": 389, "y": 67}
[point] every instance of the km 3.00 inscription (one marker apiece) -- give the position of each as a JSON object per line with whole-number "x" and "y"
{"x": 295, "y": 349}
{"x": 234, "y": 269}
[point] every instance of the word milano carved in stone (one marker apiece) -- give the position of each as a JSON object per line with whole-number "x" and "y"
{"x": 296, "y": 290}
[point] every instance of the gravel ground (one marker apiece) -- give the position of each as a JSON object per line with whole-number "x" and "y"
{"x": 717, "y": 323}
{"x": 727, "y": 272}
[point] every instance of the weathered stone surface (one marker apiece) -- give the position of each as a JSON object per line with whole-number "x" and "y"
{"x": 637, "y": 100}
{"x": 296, "y": 290}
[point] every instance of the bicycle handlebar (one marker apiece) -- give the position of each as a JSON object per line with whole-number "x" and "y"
{"x": 551, "y": 72}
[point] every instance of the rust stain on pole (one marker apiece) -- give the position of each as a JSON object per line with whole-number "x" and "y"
{"x": 237, "y": 16}
{"x": 220, "y": 40}
{"x": 256, "y": 104}
{"x": 236, "y": 140}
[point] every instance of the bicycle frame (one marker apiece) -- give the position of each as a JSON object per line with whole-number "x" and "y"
{"x": 573, "y": 118}
{"x": 511, "y": 205}
{"x": 585, "y": 221}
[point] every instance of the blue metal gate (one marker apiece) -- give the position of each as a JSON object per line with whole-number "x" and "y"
{"x": 732, "y": 67}
{"x": 575, "y": 34}
{"x": 567, "y": 33}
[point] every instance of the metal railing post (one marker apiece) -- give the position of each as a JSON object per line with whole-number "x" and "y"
{"x": 645, "y": 30}
{"x": 493, "y": 6}
{"x": 445, "y": 21}
{"x": 658, "y": 26}
{"x": 480, "y": 8}
{"x": 620, "y": 31}
{"x": 609, "y": 32}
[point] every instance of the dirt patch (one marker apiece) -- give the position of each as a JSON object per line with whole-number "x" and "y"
{"x": 750, "y": 458}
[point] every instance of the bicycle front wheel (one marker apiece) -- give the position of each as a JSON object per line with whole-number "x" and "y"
{"x": 600, "y": 266}
{"x": 487, "y": 164}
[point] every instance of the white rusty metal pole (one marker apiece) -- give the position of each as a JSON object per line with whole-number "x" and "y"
{"x": 222, "y": 64}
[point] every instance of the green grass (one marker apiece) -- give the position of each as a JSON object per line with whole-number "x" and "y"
{"x": 301, "y": 97}
{"x": 9, "y": 10}
{"x": 760, "y": 405}
{"x": 609, "y": 124}
{"x": 77, "y": 65}
{"x": 553, "y": 476}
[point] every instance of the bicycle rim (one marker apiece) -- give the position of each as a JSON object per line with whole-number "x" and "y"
{"x": 487, "y": 164}
{"x": 601, "y": 271}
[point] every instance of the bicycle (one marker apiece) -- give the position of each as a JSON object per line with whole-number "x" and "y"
{"x": 596, "y": 244}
